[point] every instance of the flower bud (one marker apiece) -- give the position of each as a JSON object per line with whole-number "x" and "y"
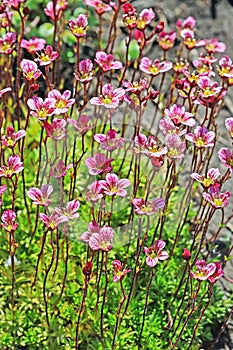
{"x": 87, "y": 268}
{"x": 26, "y": 10}
{"x": 186, "y": 254}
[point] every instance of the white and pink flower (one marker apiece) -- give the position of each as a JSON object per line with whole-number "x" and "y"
{"x": 154, "y": 68}
{"x": 11, "y": 137}
{"x": 202, "y": 137}
{"x": 41, "y": 196}
{"x": 143, "y": 207}
{"x": 155, "y": 253}
{"x": 110, "y": 141}
{"x": 110, "y": 98}
{"x": 112, "y": 186}
{"x": 14, "y": 166}
{"x": 216, "y": 198}
{"x": 178, "y": 115}
{"x": 99, "y": 164}
{"x": 106, "y": 61}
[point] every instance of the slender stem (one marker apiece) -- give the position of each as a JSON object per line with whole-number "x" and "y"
{"x": 118, "y": 313}
{"x": 145, "y": 308}
{"x": 104, "y": 296}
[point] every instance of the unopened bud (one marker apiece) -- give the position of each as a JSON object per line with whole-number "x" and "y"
{"x": 186, "y": 254}
{"x": 159, "y": 28}
{"x": 26, "y": 10}
{"x": 87, "y": 268}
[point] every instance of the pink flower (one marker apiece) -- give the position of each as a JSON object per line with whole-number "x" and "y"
{"x": 95, "y": 192}
{"x": 33, "y": 45}
{"x": 8, "y": 220}
{"x": 52, "y": 221}
{"x": 110, "y": 141}
{"x": 129, "y": 17}
{"x": 2, "y": 190}
{"x": 7, "y": 43}
{"x": 189, "y": 39}
{"x": 148, "y": 207}
{"x": 225, "y": 69}
{"x": 188, "y": 23}
{"x": 213, "y": 45}
{"x": 128, "y": 9}
{"x": 229, "y": 125}
{"x": 110, "y": 98}
{"x": 14, "y": 4}
{"x": 144, "y": 18}
{"x": 41, "y": 109}
{"x": 82, "y": 125}
{"x": 201, "y": 137}
{"x": 47, "y": 56}
{"x": 62, "y": 101}
{"x": 98, "y": 164}
{"x": 41, "y": 196}
{"x": 118, "y": 270}
{"x": 98, "y": 238}
{"x": 179, "y": 116}
{"x": 186, "y": 89}
{"x": 114, "y": 187}
{"x": 209, "y": 179}
{"x": 148, "y": 146}
{"x": 93, "y": 227}
{"x": 56, "y": 130}
{"x": 59, "y": 169}
{"x": 167, "y": 127}
{"x": 70, "y": 211}
{"x": 30, "y": 70}
{"x": 61, "y": 5}
{"x": 208, "y": 59}
{"x": 106, "y": 61}
{"x": 4, "y": 91}
{"x": 217, "y": 274}
{"x": 11, "y": 137}
{"x": 203, "y": 270}
{"x": 14, "y": 166}
{"x": 155, "y": 253}
{"x": 78, "y": 26}
{"x": 85, "y": 71}
{"x": 175, "y": 145}
{"x": 167, "y": 40}
{"x": 135, "y": 87}
{"x": 154, "y": 68}
{"x": 180, "y": 66}
{"x": 102, "y": 240}
{"x": 6, "y": 18}
{"x": 100, "y": 6}
{"x": 208, "y": 89}
{"x": 216, "y": 198}
{"x": 202, "y": 69}
{"x": 226, "y": 157}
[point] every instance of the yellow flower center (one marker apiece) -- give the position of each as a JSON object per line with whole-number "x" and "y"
{"x": 200, "y": 142}
{"x": 107, "y": 100}
{"x": 78, "y": 30}
{"x": 42, "y": 114}
{"x": 154, "y": 70}
{"x": 61, "y": 104}
{"x": 44, "y": 57}
{"x": 218, "y": 202}
{"x": 207, "y": 182}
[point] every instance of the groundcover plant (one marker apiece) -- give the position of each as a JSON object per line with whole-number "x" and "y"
{"x": 111, "y": 175}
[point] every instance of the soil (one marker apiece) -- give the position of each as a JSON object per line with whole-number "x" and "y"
{"x": 214, "y": 19}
